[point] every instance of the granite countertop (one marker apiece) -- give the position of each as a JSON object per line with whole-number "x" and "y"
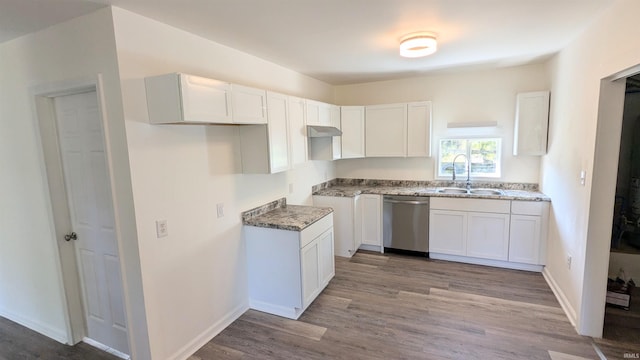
{"x": 509, "y": 191}
{"x": 279, "y": 215}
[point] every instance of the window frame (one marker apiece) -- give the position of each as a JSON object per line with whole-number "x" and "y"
{"x": 469, "y": 139}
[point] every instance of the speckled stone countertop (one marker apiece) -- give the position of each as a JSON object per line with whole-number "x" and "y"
{"x": 279, "y": 215}
{"x": 353, "y": 187}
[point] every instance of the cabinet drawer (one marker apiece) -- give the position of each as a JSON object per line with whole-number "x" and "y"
{"x": 528, "y": 207}
{"x": 314, "y": 230}
{"x": 477, "y": 205}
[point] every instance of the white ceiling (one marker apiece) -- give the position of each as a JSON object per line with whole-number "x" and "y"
{"x": 350, "y": 41}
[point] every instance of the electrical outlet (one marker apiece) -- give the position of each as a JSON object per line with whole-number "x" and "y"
{"x": 220, "y": 210}
{"x": 161, "y": 228}
{"x": 291, "y": 188}
{"x": 569, "y": 261}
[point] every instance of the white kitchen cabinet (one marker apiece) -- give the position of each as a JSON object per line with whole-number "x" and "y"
{"x": 528, "y": 233}
{"x": 386, "y": 130}
{"x": 297, "y": 132}
{"x": 532, "y": 122}
{"x": 488, "y": 236}
{"x": 448, "y": 232}
{"x": 346, "y": 223}
{"x": 469, "y": 227}
{"x": 371, "y": 212}
{"x": 352, "y": 121}
{"x": 181, "y": 98}
{"x": 288, "y": 269}
{"x": 249, "y": 105}
{"x": 318, "y": 113}
{"x": 265, "y": 148}
{"x": 419, "y": 129}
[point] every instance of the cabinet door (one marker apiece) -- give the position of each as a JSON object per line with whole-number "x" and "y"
{"x": 524, "y": 239}
{"x": 447, "y": 232}
{"x": 532, "y": 121}
{"x": 297, "y": 132}
{"x": 419, "y": 129}
{"x": 352, "y": 121}
{"x": 488, "y": 236}
{"x": 249, "y": 105}
{"x": 278, "y": 132}
{"x": 343, "y": 223}
{"x": 318, "y": 113}
{"x": 334, "y": 111}
{"x": 327, "y": 266}
{"x": 310, "y": 266}
{"x": 205, "y": 100}
{"x": 371, "y": 206}
{"x": 386, "y": 130}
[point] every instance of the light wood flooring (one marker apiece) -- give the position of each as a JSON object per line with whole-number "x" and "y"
{"x": 400, "y": 307}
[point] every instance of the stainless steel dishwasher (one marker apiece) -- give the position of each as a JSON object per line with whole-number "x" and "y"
{"x": 406, "y": 223}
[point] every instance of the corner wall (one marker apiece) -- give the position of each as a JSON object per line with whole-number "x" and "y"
{"x": 195, "y": 278}
{"x": 486, "y": 95}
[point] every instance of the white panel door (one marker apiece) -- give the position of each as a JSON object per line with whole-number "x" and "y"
{"x": 524, "y": 239}
{"x": 448, "y": 232}
{"x": 203, "y": 100}
{"x": 532, "y": 122}
{"x": 488, "y": 236}
{"x": 278, "y": 132}
{"x": 352, "y": 121}
{"x": 297, "y": 131}
{"x": 386, "y": 130}
{"x": 419, "y": 129}
{"x": 92, "y": 217}
{"x": 249, "y": 105}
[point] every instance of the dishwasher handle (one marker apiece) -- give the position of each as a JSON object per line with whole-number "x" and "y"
{"x": 412, "y": 202}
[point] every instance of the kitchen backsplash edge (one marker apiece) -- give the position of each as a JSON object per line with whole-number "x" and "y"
{"x": 426, "y": 184}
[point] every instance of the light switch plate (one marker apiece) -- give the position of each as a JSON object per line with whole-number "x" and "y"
{"x": 220, "y": 210}
{"x": 161, "y": 228}
{"x": 583, "y": 177}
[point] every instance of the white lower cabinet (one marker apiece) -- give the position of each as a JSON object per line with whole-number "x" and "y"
{"x": 371, "y": 212}
{"x": 288, "y": 269}
{"x": 488, "y": 236}
{"x": 528, "y": 235}
{"x": 346, "y": 222}
{"x": 448, "y": 232}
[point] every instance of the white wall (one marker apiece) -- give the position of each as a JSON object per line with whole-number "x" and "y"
{"x": 195, "y": 278}
{"x": 580, "y": 222}
{"x": 488, "y": 95}
{"x": 30, "y": 280}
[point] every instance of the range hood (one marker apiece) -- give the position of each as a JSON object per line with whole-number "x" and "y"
{"x": 322, "y": 131}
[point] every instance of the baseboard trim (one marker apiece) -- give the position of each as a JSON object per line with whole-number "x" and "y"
{"x": 105, "y": 348}
{"x": 58, "y": 335}
{"x": 562, "y": 299}
{"x": 186, "y": 351}
{"x": 486, "y": 262}
{"x": 288, "y": 312}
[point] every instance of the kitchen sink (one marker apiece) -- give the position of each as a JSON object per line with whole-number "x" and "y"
{"x": 452, "y": 191}
{"x": 486, "y": 191}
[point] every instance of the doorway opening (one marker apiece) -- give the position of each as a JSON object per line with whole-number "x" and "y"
{"x": 622, "y": 313}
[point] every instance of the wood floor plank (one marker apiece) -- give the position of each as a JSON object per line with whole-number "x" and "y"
{"x": 299, "y": 328}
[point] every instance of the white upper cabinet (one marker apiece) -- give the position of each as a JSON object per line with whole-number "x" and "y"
{"x": 352, "y": 118}
{"x": 180, "y": 98}
{"x": 265, "y": 148}
{"x": 419, "y": 129}
{"x": 532, "y": 122}
{"x": 386, "y": 130}
{"x": 318, "y": 113}
{"x": 297, "y": 131}
{"x": 249, "y": 105}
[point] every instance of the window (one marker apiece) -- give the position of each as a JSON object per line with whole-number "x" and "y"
{"x": 484, "y": 156}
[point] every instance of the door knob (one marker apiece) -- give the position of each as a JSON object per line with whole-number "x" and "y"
{"x": 72, "y": 236}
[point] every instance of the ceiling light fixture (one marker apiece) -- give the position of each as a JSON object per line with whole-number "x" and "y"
{"x": 418, "y": 45}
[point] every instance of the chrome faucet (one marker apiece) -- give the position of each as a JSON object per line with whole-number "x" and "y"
{"x": 453, "y": 165}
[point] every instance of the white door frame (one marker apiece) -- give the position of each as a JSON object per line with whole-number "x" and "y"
{"x": 59, "y": 213}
